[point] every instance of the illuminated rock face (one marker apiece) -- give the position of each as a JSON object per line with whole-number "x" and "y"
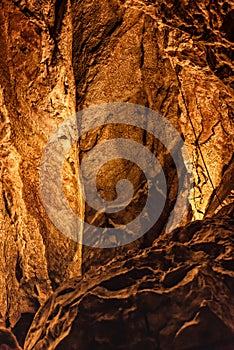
{"x": 37, "y": 93}
{"x": 176, "y": 59}
{"x": 172, "y": 57}
{"x": 57, "y": 57}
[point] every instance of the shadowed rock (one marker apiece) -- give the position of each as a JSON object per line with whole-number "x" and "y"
{"x": 170, "y": 296}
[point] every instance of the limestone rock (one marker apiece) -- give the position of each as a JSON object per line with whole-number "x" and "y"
{"x": 175, "y": 295}
{"x": 58, "y": 57}
{"x": 175, "y": 58}
{"x": 37, "y": 92}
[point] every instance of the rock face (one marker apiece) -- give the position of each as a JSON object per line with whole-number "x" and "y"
{"x": 176, "y": 295}
{"x": 37, "y": 93}
{"x": 61, "y": 56}
{"x": 175, "y": 58}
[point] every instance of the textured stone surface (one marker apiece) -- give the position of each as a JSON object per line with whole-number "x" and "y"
{"x": 37, "y": 93}
{"x": 175, "y": 58}
{"x": 175, "y": 295}
{"x": 57, "y": 57}
{"x": 171, "y": 57}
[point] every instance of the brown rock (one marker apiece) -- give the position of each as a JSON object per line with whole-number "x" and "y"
{"x": 171, "y": 296}
{"x": 174, "y": 57}
{"x": 35, "y": 66}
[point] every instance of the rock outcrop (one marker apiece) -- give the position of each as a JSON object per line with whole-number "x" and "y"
{"x": 174, "y": 57}
{"x": 37, "y": 93}
{"x": 175, "y": 295}
{"x": 58, "y": 57}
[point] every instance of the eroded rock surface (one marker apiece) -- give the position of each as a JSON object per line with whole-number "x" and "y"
{"x": 37, "y": 93}
{"x": 175, "y": 295}
{"x": 174, "y": 57}
{"x": 57, "y": 57}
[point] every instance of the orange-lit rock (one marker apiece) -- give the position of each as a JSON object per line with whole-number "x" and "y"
{"x": 58, "y": 57}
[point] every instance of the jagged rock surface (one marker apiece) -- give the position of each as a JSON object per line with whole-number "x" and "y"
{"x": 174, "y": 57}
{"x": 37, "y": 93}
{"x": 56, "y": 58}
{"x": 175, "y": 295}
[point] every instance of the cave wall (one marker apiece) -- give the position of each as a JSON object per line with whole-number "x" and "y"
{"x": 37, "y": 94}
{"x": 58, "y": 57}
{"x": 175, "y": 295}
{"x": 175, "y": 58}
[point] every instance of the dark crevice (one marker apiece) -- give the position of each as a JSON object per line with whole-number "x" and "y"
{"x": 18, "y": 269}
{"x": 22, "y": 326}
{"x": 228, "y": 26}
{"x": 6, "y": 202}
{"x": 60, "y": 10}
